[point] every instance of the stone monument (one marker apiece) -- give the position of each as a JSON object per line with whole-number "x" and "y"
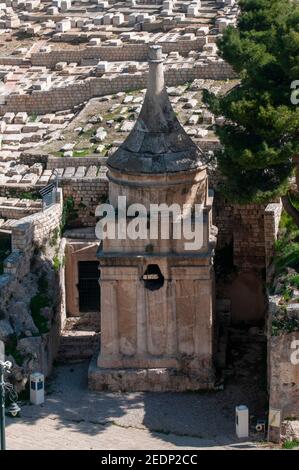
{"x": 157, "y": 298}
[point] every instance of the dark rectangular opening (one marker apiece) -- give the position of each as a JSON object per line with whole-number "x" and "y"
{"x": 5, "y": 248}
{"x": 89, "y": 288}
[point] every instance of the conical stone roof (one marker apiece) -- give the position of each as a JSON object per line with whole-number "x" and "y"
{"x": 157, "y": 143}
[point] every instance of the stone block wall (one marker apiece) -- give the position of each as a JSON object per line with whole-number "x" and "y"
{"x": 27, "y": 158}
{"x": 75, "y": 162}
{"x": 246, "y": 238}
{"x": 15, "y": 190}
{"x": 58, "y": 99}
{"x": 10, "y": 60}
{"x": 45, "y": 223}
{"x": 135, "y": 52}
{"x": 208, "y": 144}
{"x": 26, "y": 234}
{"x": 35, "y": 230}
{"x": 223, "y": 219}
{"x": 249, "y": 236}
{"x": 271, "y": 225}
{"x": 87, "y": 194}
{"x": 16, "y": 212}
{"x": 252, "y": 228}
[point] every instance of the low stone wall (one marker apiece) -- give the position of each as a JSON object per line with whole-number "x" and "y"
{"x": 16, "y": 189}
{"x": 35, "y": 230}
{"x": 9, "y": 60}
{"x": 27, "y": 158}
{"x": 17, "y": 212}
{"x": 207, "y": 145}
{"x": 130, "y": 52}
{"x": 27, "y": 234}
{"x": 58, "y": 99}
{"x": 75, "y": 162}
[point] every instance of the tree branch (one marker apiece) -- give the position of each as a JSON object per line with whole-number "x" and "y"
{"x": 290, "y": 209}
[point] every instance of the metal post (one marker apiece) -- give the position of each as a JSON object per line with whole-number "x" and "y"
{"x": 2, "y": 406}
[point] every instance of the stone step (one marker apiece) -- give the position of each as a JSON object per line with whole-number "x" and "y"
{"x": 72, "y": 358}
{"x": 66, "y": 355}
{"x": 77, "y": 345}
{"x": 86, "y": 322}
{"x": 78, "y": 335}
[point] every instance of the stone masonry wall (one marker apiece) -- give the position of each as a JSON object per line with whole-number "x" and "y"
{"x": 35, "y": 229}
{"x": 27, "y": 158}
{"x": 252, "y": 228}
{"x": 87, "y": 194}
{"x": 75, "y": 162}
{"x": 16, "y": 190}
{"x": 9, "y": 60}
{"x": 67, "y": 97}
{"x": 249, "y": 236}
{"x": 18, "y": 212}
{"x": 27, "y": 233}
{"x": 135, "y": 52}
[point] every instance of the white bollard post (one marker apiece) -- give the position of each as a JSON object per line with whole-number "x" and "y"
{"x": 37, "y": 388}
{"x": 242, "y": 421}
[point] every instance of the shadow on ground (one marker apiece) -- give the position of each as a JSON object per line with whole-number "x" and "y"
{"x": 184, "y": 419}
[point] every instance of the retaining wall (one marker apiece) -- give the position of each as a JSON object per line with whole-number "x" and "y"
{"x": 136, "y": 52}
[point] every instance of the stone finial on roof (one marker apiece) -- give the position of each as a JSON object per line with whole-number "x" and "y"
{"x": 157, "y": 143}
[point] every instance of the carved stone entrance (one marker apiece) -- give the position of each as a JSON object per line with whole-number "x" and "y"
{"x": 81, "y": 277}
{"x": 80, "y": 336}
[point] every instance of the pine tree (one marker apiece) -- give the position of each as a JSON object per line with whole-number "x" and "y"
{"x": 261, "y": 131}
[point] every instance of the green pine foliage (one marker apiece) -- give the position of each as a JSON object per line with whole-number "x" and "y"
{"x": 261, "y": 131}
